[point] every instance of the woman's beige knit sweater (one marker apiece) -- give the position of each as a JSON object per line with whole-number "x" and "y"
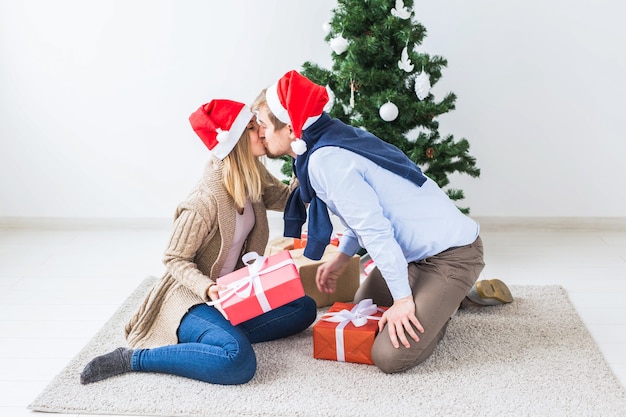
{"x": 204, "y": 227}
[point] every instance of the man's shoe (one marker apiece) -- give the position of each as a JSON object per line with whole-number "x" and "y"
{"x": 490, "y": 292}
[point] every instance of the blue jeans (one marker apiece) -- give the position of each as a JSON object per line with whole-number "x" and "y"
{"x": 210, "y": 349}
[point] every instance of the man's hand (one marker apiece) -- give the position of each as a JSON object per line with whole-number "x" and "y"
{"x": 328, "y": 273}
{"x": 400, "y": 319}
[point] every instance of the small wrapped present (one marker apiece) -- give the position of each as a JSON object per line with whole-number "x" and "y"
{"x": 301, "y": 242}
{"x": 347, "y": 284}
{"x": 346, "y": 332}
{"x": 263, "y": 285}
{"x": 279, "y": 244}
{"x": 368, "y": 267}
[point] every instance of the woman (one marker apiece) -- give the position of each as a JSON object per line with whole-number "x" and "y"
{"x": 175, "y": 331}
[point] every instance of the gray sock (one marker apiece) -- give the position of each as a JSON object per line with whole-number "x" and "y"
{"x": 106, "y": 366}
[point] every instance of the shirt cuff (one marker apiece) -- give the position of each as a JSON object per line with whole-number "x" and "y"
{"x": 348, "y": 245}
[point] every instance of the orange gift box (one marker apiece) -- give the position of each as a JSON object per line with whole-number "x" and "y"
{"x": 346, "y": 332}
{"x": 301, "y": 243}
{"x": 263, "y": 285}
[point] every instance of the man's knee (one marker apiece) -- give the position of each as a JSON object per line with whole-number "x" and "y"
{"x": 391, "y": 360}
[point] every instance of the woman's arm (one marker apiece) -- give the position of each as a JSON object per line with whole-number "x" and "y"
{"x": 190, "y": 232}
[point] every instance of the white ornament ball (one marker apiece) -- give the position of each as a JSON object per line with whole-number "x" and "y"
{"x": 339, "y": 44}
{"x": 388, "y": 112}
{"x": 326, "y": 28}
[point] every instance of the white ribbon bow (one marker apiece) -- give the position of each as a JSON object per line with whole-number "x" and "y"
{"x": 243, "y": 286}
{"x": 358, "y": 315}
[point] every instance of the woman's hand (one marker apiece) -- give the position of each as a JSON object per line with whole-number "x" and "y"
{"x": 400, "y": 319}
{"x": 213, "y": 293}
{"x": 329, "y": 272}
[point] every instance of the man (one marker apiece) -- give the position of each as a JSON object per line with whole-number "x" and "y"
{"x": 428, "y": 254}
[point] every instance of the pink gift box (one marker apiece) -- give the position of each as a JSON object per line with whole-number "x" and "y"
{"x": 263, "y": 285}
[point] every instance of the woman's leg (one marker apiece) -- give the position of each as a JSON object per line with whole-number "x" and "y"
{"x": 290, "y": 319}
{"x": 210, "y": 349}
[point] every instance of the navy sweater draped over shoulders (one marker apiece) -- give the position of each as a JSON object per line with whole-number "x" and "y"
{"x": 333, "y": 132}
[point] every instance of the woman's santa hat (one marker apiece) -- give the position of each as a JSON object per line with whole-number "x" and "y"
{"x": 297, "y": 101}
{"x": 220, "y": 124}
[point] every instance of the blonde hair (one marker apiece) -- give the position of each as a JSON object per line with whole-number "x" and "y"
{"x": 244, "y": 176}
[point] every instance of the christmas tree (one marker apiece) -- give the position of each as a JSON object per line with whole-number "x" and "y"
{"x": 380, "y": 82}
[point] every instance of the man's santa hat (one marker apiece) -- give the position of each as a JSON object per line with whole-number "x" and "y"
{"x": 297, "y": 101}
{"x": 220, "y": 124}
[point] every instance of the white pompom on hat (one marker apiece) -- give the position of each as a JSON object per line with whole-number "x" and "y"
{"x": 297, "y": 101}
{"x": 220, "y": 123}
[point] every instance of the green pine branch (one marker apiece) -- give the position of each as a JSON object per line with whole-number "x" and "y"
{"x": 368, "y": 70}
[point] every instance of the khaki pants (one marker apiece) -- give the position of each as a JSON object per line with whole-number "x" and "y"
{"x": 439, "y": 284}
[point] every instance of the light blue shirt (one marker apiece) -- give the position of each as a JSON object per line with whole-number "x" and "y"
{"x": 396, "y": 221}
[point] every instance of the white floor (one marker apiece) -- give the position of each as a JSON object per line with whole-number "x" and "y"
{"x": 59, "y": 285}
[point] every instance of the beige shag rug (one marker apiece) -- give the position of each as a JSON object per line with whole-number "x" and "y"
{"x": 533, "y": 357}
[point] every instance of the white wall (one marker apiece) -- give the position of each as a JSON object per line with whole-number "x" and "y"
{"x": 541, "y": 86}
{"x": 95, "y": 95}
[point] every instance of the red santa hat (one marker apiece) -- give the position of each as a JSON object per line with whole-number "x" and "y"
{"x": 220, "y": 124}
{"x": 297, "y": 101}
